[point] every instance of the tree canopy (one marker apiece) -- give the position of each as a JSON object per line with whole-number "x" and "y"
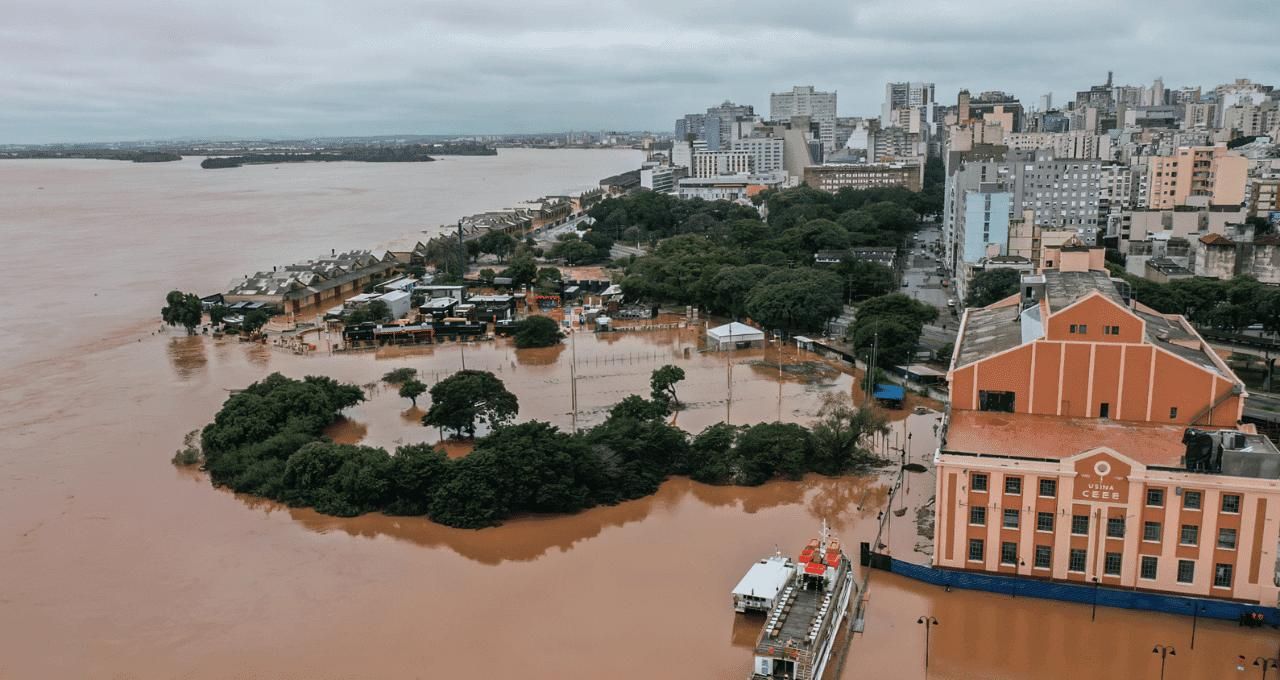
{"x": 992, "y": 285}
{"x": 724, "y": 258}
{"x": 662, "y": 384}
{"x": 267, "y": 441}
{"x": 182, "y": 309}
{"x": 468, "y": 398}
{"x": 537, "y": 331}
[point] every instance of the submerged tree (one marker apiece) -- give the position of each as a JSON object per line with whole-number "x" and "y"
{"x": 182, "y": 309}
{"x": 662, "y": 384}
{"x": 411, "y": 389}
{"x": 840, "y": 435}
{"x": 467, "y": 397}
{"x": 537, "y": 331}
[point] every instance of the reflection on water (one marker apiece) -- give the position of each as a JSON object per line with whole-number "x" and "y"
{"x": 346, "y": 431}
{"x": 187, "y": 355}
{"x": 528, "y": 538}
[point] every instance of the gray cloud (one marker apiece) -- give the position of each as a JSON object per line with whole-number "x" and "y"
{"x": 132, "y": 69}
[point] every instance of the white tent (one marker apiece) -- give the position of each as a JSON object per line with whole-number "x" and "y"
{"x": 733, "y": 335}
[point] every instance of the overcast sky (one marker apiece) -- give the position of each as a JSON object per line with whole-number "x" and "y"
{"x": 96, "y": 70}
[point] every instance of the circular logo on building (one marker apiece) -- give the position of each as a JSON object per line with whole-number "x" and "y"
{"x": 1102, "y": 468}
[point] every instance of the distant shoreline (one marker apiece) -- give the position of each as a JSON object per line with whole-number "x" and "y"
{"x": 233, "y": 157}
{"x": 385, "y": 155}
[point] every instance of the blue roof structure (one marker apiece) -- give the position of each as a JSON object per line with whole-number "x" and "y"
{"x": 892, "y": 392}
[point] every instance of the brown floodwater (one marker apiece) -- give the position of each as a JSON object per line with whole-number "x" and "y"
{"x": 114, "y": 564}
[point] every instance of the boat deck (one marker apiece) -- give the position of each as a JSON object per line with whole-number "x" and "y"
{"x": 796, "y": 620}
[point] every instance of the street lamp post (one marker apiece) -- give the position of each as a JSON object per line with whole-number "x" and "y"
{"x": 1196, "y": 608}
{"x": 928, "y": 622}
{"x": 1094, "y": 615}
{"x": 1262, "y": 663}
{"x": 1164, "y": 651}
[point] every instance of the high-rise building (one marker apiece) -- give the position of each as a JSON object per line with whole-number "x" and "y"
{"x": 803, "y": 100}
{"x": 904, "y": 96}
{"x": 1063, "y": 192}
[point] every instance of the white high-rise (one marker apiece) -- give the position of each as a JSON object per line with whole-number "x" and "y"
{"x": 905, "y": 96}
{"x": 803, "y": 100}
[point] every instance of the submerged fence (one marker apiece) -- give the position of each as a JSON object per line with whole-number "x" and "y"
{"x": 1080, "y": 593}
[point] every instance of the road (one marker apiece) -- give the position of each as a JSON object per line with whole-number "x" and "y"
{"x": 921, "y": 281}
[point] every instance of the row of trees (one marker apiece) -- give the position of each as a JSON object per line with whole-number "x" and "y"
{"x": 724, "y": 258}
{"x": 267, "y": 441}
{"x": 1231, "y": 305}
{"x": 891, "y": 325}
{"x": 186, "y": 310}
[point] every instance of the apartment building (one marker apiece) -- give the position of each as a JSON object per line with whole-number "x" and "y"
{"x": 1200, "y": 175}
{"x": 714, "y": 163}
{"x": 1094, "y": 440}
{"x": 836, "y": 176}
{"x": 1061, "y": 191}
{"x": 768, "y": 154}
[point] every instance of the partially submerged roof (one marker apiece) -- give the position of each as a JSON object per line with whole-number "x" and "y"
{"x": 735, "y": 329}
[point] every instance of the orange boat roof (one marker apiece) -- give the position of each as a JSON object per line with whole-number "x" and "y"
{"x": 815, "y": 568}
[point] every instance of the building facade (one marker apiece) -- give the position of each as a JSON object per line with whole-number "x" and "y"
{"x": 836, "y": 176}
{"x": 714, "y": 163}
{"x": 803, "y": 100}
{"x": 768, "y": 154}
{"x": 1093, "y": 440}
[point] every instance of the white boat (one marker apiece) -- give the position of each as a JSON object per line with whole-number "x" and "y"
{"x": 804, "y": 613}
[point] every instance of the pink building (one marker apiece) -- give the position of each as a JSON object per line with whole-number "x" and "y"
{"x": 1091, "y": 439}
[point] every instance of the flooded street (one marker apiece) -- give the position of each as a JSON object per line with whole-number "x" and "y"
{"x": 115, "y": 564}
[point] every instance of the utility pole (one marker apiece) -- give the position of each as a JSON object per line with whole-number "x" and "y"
{"x": 728, "y": 368}
{"x": 573, "y": 375}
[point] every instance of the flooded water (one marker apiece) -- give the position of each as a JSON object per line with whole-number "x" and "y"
{"x": 114, "y": 564}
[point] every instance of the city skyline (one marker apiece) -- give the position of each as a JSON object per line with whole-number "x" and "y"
{"x": 124, "y": 71}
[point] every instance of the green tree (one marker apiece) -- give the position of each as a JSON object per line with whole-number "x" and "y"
{"x": 841, "y": 435}
{"x": 254, "y": 321}
{"x": 898, "y": 306}
{"x": 992, "y": 285}
{"x": 522, "y": 270}
{"x": 574, "y": 251}
{"x": 894, "y": 339}
{"x": 767, "y": 450}
{"x": 864, "y": 279}
{"x": 411, "y": 389}
{"x": 182, "y": 309}
{"x": 537, "y": 331}
{"x": 662, "y": 384}
{"x": 711, "y": 458}
{"x": 469, "y": 397}
{"x": 496, "y": 243}
{"x": 217, "y": 313}
{"x": 795, "y": 299}
{"x": 399, "y": 376}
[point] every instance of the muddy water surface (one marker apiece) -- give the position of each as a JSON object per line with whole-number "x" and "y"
{"x": 114, "y": 564}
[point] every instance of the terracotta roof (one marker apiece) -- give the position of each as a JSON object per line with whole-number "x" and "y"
{"x": 1216, "y": 240}
{"x": 1053, "y": 437}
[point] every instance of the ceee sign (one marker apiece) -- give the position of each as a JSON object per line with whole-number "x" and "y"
{"x": 1102, "y": 478}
